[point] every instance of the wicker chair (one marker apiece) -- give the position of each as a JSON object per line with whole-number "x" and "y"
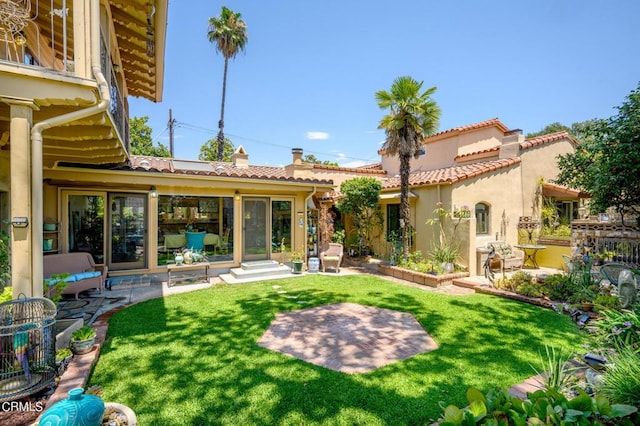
{"x": 625, "y": 279}
{"x": 331, "y": 256}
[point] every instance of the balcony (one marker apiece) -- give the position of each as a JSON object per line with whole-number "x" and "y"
{"x": 45, "y": 55}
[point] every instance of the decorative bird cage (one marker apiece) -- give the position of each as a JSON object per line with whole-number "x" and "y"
{"x": 27, "y": 347}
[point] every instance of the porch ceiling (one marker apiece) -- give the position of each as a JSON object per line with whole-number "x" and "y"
{"x": 136, "y": 23}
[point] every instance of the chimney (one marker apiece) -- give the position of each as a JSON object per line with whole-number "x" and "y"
{"x": 299, "y": 169}
{"x": 240, "y": 158}
{"x": 511, "y": 141}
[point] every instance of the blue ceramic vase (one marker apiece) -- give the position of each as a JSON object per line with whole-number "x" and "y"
{"x": 76, "y": 410}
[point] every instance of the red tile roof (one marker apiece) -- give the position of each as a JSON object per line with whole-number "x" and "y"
{"x": 494, "y": 122}
{"x": 451, "y": 174}
{"x": 218, "y": 168}
{"x": 544, "y": 139}
{"x": 375, "y": 168}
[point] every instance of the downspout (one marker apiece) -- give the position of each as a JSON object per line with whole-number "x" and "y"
{"x": 37, "y": 143}
{"x": 306, "y": 200}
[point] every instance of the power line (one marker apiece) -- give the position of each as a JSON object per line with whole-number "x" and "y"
{"x": 215, "y": 132}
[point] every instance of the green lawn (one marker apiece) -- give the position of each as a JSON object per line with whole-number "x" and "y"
{"x": 192, "y": 359}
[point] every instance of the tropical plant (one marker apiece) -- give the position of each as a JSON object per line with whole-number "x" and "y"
{"x": 621, "y": 380}
{"x": 229, "y": 33}
{"x": 413, "y": 115}
{"x": 85, "y": 332}
{"x": 557, "y": 372}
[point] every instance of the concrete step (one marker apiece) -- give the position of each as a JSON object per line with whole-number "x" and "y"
{"x": 260, "y": 272}
{"x": 257, "y": 271}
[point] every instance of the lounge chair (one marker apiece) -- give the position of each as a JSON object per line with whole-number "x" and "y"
{"x": 331, "y": 256}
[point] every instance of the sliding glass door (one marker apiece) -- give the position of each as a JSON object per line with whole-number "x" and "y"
{"x": 254, "y": 226}
{"x": 128, "y": 231}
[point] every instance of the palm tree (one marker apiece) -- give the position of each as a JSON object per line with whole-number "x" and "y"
{"x": 229, "y": 33}
{"x": 413, "y": 116}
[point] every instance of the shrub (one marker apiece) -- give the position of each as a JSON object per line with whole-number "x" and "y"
{"x": 83, "y": 333}
{"x": 619, "y": 328}
{"x": 529, "y": 290}
{"x": 548, "y": 407}
{"x": 606, "y": 301}
{"x": 558, "y": 287}
{"x": 621, "y": 381}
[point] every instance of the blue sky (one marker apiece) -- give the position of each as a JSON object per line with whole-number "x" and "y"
{"x": 311, "y": 69}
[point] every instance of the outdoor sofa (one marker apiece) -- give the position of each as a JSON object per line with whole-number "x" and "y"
{"x": 84, "y": 274}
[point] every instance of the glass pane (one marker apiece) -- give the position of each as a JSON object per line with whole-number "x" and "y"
{"x": 482, "y": 219}
{"x": 255, "y": 228}
{"x": 86, "y": 225}
{"x": 393, "y": 222}
{"x": 280, "y": 226}
{"x": 128, "y": 220}
{"x": 178, "y": 215}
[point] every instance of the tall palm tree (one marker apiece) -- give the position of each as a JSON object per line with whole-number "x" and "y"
{"x": 412, "y": 117}
{"x": 229, "y": 33}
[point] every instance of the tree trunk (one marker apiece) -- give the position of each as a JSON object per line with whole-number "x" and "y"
{"x": 405, "y": 212}
{"x": 220, "y": 137}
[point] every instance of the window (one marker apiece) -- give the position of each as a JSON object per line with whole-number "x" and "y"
{"x": 280, "y": 225}
{"x": 212, "y": 216}
{"x": 482, "y": 218}
{"x": 393, "y": 221}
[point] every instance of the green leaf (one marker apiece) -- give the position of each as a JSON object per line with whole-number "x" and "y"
{"x": 622, "y": 410}
{"x": 474, "y": 394}
{"x": 478, "y": 409}
{"x": 453, "y": 415}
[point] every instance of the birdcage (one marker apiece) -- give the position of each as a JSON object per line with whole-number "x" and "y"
{"x": 27, "y": 347}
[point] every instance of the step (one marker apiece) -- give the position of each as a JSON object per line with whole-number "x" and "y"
{"x": 259, "y": 264}
{"x": 276, "y": 269}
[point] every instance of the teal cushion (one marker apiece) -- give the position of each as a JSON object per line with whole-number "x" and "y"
{"x": 195, "y": 240}
{"x": 85, "y": 275}
{"x": 71, "y": 278}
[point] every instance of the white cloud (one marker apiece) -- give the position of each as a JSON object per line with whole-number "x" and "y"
{"x": 317, "y": 135}
{"x": 355, "y": 163}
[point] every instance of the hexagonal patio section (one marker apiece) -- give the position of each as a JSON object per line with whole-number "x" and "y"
{"x": 347, "y": 337}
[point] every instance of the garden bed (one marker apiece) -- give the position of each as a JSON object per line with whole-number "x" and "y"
{"x": 421, "y": 277}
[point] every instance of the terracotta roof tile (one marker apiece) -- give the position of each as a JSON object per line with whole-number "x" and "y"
{"x": 451, "y": 174}
{"x": 475, "y": 126}
{"x": 551, "y": 137}
{"x": 218, "y": 168}
{"x": 375, "y": 168}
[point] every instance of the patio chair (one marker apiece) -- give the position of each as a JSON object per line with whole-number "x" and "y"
{"x": 625, "y": 279}
{"x": 331, "y": 256}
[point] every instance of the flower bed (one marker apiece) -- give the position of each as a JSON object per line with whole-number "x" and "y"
{"x": 421, "y": 277}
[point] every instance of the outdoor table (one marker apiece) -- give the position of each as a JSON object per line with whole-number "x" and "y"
{"x": 530, "y": 252}
{"x": 198, "y": 270}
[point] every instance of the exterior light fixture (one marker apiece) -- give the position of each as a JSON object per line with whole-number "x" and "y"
{"x": 20, "y": 222}
{"x": 237, "y": 195}
{"x": 154, "y": 192}
{"x": 116, "y": 68}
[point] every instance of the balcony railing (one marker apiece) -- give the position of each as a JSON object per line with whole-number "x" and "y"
{"x": 40, "y": 34}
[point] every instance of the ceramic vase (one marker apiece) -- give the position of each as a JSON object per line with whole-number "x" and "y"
{"x": 76, "y": 410}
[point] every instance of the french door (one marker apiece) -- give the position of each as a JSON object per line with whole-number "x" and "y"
{"x": 255, "y": 233}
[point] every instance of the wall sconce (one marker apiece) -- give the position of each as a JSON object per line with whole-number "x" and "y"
{"x": 154, "y": 192}
{"x": 20, "y": 222}
{"x": 116, "y": 68}
{"x": 237, "y": 195}
{"x": 300, "y": 219}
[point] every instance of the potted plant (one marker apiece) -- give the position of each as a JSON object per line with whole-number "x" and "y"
{"x": 82, "y": 340}
{"x": 297, "y": 259}
{"x": 63, "y": 356}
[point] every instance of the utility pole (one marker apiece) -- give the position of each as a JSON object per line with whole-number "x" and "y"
{"x": 170, "y": 124}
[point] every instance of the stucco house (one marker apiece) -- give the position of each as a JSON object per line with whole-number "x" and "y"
{"x": 484, "y": 167}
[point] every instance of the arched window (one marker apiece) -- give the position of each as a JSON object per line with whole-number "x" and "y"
{"x": 482, "y": 218}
